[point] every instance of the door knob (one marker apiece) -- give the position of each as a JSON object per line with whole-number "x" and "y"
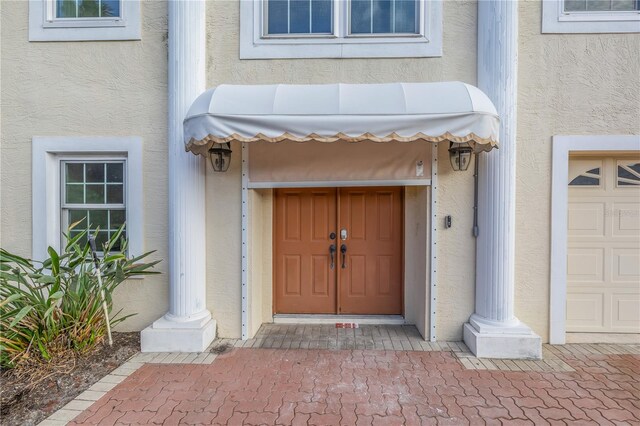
{"x": 343, "y": 234}
{"x": 343, "y": 250}
{"x": 332, "y": 253}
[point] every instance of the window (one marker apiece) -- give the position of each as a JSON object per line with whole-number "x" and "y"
{"x": 80, "y": 20}
{"x": 590, "y": 16}
{"x": 96, "y": 9}
{"x": 340, "y": 28}
{"x": 601, "y": 5}
{"x": 628, "y": 174}
{"x": 96, "y": 181}
{"x": 298, "y": 17}
{"x": 93, "y": 197}
{"x": 384, "y": 17}
{"x": 588, "y": 178}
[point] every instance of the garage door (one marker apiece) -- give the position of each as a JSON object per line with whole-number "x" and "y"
{"x": 603, "y": 265}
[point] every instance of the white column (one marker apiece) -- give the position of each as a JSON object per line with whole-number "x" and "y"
{"x": 493, "y": 330}
{"x": 188, "y": 326}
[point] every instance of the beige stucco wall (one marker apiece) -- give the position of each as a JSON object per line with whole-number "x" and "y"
{"x": 416, "y": 257}
{"x": 223, "y": 225}
{"x": 455, "y": 249}
{"x": 88, "y": 89}
{"x": 569, "y": 84}
{"x": 260, "y": 305}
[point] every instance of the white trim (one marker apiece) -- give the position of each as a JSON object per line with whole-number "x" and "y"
{"x": 433, "y": 262}
{"x": 245, "y": 242}
{"x": 332, "y": 319}
{"x": 47, "y": 152}
{"x": 338, "y": 183}
{"x": 43, "y": 27}
{"x": 556, "y": 20}
{"x": 253, "y": 45}
{"x": 562, "y": 147}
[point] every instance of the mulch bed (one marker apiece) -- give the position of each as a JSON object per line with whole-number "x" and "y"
{"x": 22, "y": 404}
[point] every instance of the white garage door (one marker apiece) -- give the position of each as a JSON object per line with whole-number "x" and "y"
{"x": 603, "y": 265}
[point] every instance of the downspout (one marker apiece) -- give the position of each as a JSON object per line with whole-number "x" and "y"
{"x": 475, "y": 196}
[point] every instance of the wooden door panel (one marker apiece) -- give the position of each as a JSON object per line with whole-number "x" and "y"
{"x": 303, "y": 280}
{"x": 372, "y": 280}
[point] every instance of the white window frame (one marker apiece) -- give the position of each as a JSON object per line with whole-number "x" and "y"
{"x": 43, "y": 26}
{"x": 48, "y": 153}
{"x": 556, "y": 20}
{"x": 563, "y": 147}
{"x": 256, "y": 44}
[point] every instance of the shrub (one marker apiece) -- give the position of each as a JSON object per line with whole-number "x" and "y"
{"x": 55, "y": 305}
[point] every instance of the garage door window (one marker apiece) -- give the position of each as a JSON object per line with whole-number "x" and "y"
{"x": 590, "y": 177}
{"x": 628, "y": 174}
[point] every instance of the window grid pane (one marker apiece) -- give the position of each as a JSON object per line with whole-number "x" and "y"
{"x": 73, "y": 9}
{"x": 94, "y": 199}
{"x": 286, "y": 17}
{"x": 106, "y": 222}
{"x": 384, "y": 16}
{"x": 601, "y": 5}
{"x": 94, "y": 183}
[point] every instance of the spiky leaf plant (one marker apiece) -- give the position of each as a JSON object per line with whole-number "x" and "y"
{"x": 53, "y": 306}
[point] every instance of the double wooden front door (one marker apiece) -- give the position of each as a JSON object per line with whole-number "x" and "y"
{"x": 338, "y": 251}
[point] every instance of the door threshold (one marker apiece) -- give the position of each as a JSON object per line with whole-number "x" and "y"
{"x": 333, "y": 319}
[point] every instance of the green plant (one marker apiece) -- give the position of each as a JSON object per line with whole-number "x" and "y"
{"x": 55, "y": 305}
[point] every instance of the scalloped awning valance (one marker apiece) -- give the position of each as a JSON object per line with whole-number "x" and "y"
{"x": 405, "y": 112}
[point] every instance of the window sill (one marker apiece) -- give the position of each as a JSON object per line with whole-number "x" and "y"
{"x": 388, "y": 47}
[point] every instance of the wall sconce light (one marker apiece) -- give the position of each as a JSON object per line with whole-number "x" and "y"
{"x": 460, "y": 155}
{"x": 220, "y": 156}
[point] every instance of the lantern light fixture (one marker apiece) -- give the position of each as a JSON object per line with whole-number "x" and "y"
{"x": 220, "y": 156}
{"x": 460, "y": 155}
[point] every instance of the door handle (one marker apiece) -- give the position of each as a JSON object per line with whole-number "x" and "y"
{"x": 343, "y": 250}
{"x": 332, "y": 252}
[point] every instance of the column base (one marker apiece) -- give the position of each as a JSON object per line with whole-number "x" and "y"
{"x": 521, "y": 344}
{"x": 165, "y": 335}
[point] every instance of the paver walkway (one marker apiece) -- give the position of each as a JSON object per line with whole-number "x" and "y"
{"x": 353, "y": 387}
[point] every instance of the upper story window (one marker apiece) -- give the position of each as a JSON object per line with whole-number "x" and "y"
{"x": 291, "y": 17}
{"x": 384, "y": 17}
{"x": 590, "y": 16}
{"x": 84, "y": 20}
{"x": 340, "y": 28}
{"x": 601, "y": 5}
{"x": 66, "y": 9}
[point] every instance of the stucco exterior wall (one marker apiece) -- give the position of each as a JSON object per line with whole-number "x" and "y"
{"x": 569, "y": 84}
{"x": 416, "y": 257}
{"x": 223, "y": 225}
{"x": 260, "y": 258}
{"x": 455, "y": 249}
{"x": 87, "y": 89}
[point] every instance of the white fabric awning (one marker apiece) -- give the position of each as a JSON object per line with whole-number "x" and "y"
{"x": 405, "y": 112}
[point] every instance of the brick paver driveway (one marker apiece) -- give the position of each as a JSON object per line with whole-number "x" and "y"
{"x": 323, "y": 387}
